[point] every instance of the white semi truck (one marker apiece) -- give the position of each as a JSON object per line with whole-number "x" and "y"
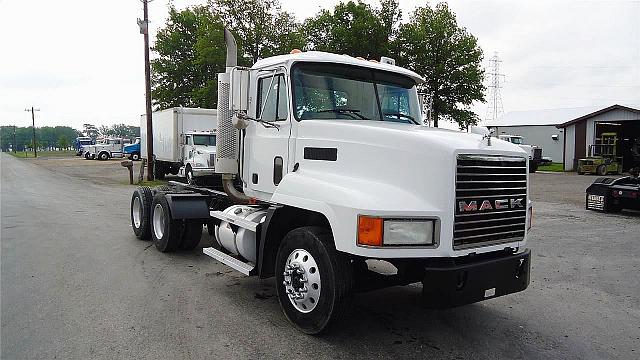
{"x": 534, "y": 151}
{"x": 184, "y": 142}
{"x": 337, "y": 170}
{"x": 105, "y": 149}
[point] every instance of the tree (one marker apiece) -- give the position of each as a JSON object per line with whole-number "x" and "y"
{"x": 355, "y": 29}
{"x": 63, "y": 142}
{"x": 120, "y": 131}
{"x": 448, "y": 56}
{"x": 90, "y": 130}
{"x": 191, "y": 52}
{"x": 262, "y": 29}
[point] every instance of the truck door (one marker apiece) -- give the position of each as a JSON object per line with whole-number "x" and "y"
{"x": 268, "y": 146}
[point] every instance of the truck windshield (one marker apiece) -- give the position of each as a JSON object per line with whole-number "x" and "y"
{"x": 206, "y": 140}
{"x": 332, "y": 91}
{"x": 85, "y": 142}
{"x": 516, "y": 140}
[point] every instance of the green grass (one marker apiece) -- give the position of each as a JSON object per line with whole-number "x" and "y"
{"x": 556, "y": 167}
{"x": 151, "y": 183}
{"x": 29, "y": 154}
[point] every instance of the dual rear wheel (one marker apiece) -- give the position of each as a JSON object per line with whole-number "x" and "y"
{"x": 151, "y": 219}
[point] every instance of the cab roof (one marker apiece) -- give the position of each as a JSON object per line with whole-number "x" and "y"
{"x": 320, "y": 56}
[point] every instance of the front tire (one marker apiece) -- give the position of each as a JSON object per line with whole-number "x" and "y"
{"x": 191, "y": 180}
{"x": 103, "y": 156}
{"x": 141, "y": 212}
{"x": 135, "y": 156}
{"x": 314, "y": 281}
{"x": 166, "y": 232}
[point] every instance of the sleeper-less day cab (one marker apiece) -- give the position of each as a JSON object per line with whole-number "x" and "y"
{"x": 338, "y": 173}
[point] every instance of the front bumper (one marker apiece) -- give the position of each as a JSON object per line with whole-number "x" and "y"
{"x": 460, "y": 284}
{"x": 201, "y": 171}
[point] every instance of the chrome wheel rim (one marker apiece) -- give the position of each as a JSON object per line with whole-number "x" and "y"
{"x": 137, "y": 212}
{"x": 302, "y": 280}
{"x": 158, "y": 221}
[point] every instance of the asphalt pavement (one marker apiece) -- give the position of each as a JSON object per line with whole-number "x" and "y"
{"x": 77, "y": 284}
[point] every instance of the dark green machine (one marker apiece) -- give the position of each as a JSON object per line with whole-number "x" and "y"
{"x": 603, "y": 157}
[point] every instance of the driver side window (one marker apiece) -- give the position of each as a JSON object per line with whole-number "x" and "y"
{"x": 272, "y": 97}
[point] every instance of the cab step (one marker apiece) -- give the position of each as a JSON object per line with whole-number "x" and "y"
{"x": 245, "y": 268}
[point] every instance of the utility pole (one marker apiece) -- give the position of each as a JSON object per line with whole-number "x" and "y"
{"x": 494, "y": 108}
{"x": 144, "y": 30}
{"x": 33, "y": 123}
{"x": 14, "y": 139}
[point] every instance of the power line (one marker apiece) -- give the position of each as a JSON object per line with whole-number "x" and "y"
{"x": 495, "y": 108}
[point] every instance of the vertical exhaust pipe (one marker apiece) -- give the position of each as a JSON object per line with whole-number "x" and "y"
{"x": 227, "y": 135}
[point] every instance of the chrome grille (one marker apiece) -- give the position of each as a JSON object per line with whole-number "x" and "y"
{"x": 491, "y": 200}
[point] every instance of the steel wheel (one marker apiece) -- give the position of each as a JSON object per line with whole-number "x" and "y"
{"x": 137, "y": 212}
{"x": 190, "y": 179}
{"x": 135, "y": 157}
{"x": 158, "y": 221}
{"x": 302, "y": 280}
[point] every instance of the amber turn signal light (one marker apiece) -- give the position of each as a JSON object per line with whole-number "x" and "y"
{"x": 370, "y": 231}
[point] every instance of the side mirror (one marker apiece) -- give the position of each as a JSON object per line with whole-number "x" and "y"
{"x": 239, "y": 90}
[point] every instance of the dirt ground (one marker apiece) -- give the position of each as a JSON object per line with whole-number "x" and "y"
{"x": 107, "y": 172}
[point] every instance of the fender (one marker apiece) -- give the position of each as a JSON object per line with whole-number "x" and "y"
{"x": 188, "y": 206}
{"x": 341, "y": 199}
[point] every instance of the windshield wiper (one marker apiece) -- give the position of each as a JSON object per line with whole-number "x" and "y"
{"x": 354, "y": 112}
{"x": 401, "y": 115}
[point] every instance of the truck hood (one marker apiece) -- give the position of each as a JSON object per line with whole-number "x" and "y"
{"x": 413, "y": 139}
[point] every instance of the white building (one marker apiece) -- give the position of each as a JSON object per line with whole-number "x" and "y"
{"x": 565, "y": 134}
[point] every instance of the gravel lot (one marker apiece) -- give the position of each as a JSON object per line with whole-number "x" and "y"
{"x": 75, "y": 283}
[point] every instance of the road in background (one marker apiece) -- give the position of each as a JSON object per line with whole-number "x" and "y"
{"x": 76, "y": 283}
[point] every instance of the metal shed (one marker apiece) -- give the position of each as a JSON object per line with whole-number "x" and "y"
{"x": 582, "y": 132}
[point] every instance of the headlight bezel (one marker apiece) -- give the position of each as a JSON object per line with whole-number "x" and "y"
{"x": 396, "y": 220}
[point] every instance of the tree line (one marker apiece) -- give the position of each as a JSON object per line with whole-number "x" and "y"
{"x": 59, "y": 137}
{"x": 190, "y": 49}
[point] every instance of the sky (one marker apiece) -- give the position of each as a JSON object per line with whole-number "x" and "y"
{"x": 82, "y": 61}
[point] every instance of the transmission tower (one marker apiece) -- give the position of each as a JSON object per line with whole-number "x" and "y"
{"x": 496, "y": 79}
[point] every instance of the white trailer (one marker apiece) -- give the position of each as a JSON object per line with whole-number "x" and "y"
{"x": 183, "y": 142}
{"x": 336, "y": 170}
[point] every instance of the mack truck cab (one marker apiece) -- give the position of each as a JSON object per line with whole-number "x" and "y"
{"x": 326, "y": 167}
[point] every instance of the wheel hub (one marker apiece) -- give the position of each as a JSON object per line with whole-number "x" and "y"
{"x": 302, "y": 280}
{"x": 137, "y": 212}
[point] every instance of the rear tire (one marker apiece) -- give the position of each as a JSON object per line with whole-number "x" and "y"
{"x": 103, "y": 156}
{"x": 601, "y": 170}
{"x": 166, "y": 232}
{"x": 332, "y": 281}
{"x": 192, "y": 234}
{"x": 141, "y": 212}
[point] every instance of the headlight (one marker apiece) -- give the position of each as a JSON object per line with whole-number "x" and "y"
{"x": 408, "y": 232}
{"x": 373, "y": 231}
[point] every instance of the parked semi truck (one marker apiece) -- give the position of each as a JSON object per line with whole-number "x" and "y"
{"x": 80, "y": 143}
{"x": 184, "y": 142}
{"x": 534, "y": 151}
{"x": 132, "y": 151}
{"x": 337, "y": 171}
{"x": 105, "y": 149}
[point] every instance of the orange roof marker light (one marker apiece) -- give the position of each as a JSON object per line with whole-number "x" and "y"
{"x": 370, "y": 231}
{"x": 295, "y": 51}
{"x": 359, "y": 58}
{"x": 374, "y": 61}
